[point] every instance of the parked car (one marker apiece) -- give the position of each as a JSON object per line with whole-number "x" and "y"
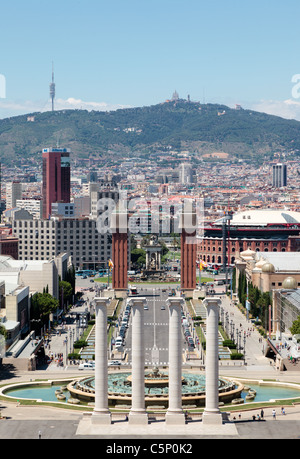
{"x": 119, "y": 342}
{"x": 114, "y": 363}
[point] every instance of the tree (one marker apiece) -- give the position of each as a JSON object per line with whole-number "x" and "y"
{"x": 42, "y": 304}
{"x": 3, "y": 331}
{"x": 295, "y": 328}
{"x": 70, "y": 277}
{"x": 138, "y": 257}
{"x": 67, "y": 290}
{"x": 233, "y": 281}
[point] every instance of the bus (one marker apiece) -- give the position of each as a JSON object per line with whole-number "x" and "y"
{"x": 85, "y": 272}
{"x": 133, "y": 290}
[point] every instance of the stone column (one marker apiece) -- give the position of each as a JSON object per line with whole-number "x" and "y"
{"x": 101, "y": 414}
{"x": 138, "y": 414}
{"x": 175, "y": 414}
{"x": 212, "y": 413}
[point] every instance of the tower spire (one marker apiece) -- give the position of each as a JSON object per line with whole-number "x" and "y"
{"x": 52, "y": 89}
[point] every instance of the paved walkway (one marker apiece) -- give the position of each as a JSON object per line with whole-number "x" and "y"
{"x": 255, "y": 345}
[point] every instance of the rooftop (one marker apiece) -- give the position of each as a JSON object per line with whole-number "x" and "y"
{"x": 263, "y": 217}
{"x": 282, "y": 261}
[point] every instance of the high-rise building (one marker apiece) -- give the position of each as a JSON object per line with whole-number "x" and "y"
{"x": 13, "y": 192}
{"x": 185, "y": 173}
{"x": 56, "y": 177}
{"x": 279, "y": 175}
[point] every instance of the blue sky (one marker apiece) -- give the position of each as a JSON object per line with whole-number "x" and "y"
{"x": 110, "y": 54}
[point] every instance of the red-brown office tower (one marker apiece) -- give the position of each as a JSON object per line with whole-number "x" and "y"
{"x": 120, "y": 251}
{"x": 188, "y": 251}
{"x": 56, "y": 177}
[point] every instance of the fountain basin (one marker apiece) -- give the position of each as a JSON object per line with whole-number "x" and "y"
{"x": 156, "y": 389}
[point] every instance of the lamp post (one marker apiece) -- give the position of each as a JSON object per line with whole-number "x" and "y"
{"x": 66, "y": 343}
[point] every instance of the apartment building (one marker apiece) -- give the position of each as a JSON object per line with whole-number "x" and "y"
{"x": 33, "y": 206}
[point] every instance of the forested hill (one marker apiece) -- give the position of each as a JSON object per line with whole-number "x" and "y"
{"x": 179, "y": 125}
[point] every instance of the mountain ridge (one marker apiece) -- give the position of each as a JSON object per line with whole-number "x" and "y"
{"x": 178, "y": 125}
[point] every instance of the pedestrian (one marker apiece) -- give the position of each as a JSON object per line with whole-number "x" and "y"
{"x": 262, "y": 414}
{"x": 282, "y": 410}
{"x": 274, "y": 413}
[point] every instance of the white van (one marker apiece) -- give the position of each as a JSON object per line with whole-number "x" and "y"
{"x": 86, "y": 366}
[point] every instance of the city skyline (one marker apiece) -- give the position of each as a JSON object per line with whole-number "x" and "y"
{"x": 114, "y": 55}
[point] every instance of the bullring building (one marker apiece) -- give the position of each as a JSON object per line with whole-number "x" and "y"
{"x": 264, "y": 230}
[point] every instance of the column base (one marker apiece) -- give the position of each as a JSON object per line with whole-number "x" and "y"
{"x": 138, "y": 418}
{"x": 175, "y": 418}
{"x": 101, "y": 417}
{"x": 212, "y": 417}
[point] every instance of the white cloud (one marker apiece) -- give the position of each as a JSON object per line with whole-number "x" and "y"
{"x": 71, "y": 103}
{"x": 289, "y": 109}
{"x": 9, "y": 108}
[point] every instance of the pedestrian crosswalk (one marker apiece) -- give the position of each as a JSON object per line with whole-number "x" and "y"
{"x": 156, "y": 324}
{"x": 150, "y": 349}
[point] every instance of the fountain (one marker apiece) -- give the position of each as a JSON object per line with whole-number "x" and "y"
{"x": 156, "y": 389}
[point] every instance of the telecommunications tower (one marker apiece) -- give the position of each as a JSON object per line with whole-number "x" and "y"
{"x": 52, "y": 89}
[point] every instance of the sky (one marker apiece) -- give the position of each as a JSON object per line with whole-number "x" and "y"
{"x": 111, "y": 54}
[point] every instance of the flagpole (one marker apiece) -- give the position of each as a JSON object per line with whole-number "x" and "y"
{"x": 199, "y": 274}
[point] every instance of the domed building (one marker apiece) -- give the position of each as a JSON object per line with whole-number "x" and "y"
{"x": 279, "y": 274}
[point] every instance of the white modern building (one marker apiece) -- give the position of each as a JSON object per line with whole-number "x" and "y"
{"x": 35, "y": 274}
{"x": 33, "y": 206}
{"x": 13, "y": 192}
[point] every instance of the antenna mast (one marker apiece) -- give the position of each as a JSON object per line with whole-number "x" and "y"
{"x": 52, "y": 89}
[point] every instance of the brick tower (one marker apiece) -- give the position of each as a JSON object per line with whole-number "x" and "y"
{"x": 188, "y": 251}
{"x": 119, "y": 251}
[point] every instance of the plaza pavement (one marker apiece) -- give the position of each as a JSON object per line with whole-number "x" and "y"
{"x": 23, "y": 422}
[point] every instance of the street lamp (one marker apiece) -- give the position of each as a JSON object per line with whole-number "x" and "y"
{"x": 66, "y": 343}
{"x": 227, "y": 322}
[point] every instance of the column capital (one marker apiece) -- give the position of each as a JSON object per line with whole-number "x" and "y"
{"x": 138, "y": 301}
{"x": 102, "y": 301}
{"x": 175, "y": 301}
{"x": 212, "y": 301}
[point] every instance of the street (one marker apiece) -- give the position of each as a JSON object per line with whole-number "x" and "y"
{"x": 156, "y": 321}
